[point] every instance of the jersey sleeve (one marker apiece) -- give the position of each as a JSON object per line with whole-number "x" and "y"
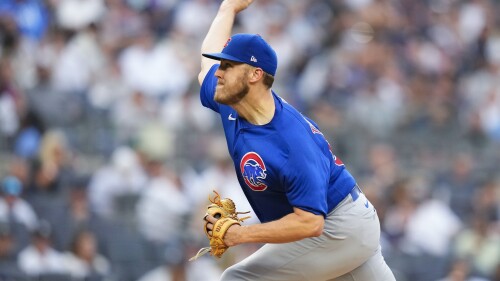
{"x": 306, "y": 176}
{"x": 207, "y": 90}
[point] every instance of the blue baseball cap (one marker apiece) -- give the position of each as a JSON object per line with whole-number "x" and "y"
{"x": 251, "y": 49}
{"x": 11, "y": 186}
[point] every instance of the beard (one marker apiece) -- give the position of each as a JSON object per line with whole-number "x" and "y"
{"x": 232, "y": 94}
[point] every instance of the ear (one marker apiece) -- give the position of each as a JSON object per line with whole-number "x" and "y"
{"x": 256, "y": 74}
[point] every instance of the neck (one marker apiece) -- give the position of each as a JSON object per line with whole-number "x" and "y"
{"x": 257, "y": 107}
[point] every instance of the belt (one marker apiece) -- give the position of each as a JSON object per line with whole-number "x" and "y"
{"x": 355, "y": 191}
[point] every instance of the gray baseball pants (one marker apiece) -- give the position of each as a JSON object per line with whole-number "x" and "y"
{"x": 348, "y": 250}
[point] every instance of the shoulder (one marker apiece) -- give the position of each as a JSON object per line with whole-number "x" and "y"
{"x": 301, "y": 134}
{"x": 294, "y": 126}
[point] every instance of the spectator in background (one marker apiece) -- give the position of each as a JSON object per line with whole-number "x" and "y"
{"x": 419, "y": 237}
{"x": 480, "y": 245}
{"x": 55, "y": 153}
{"x": 45, "y": 193}
{"x": 425, "y": 249}
{"x": 9, "y": 41}
{"x": 119, "y": 26}
{"x": 486, "y": 200}
{"x": 402, "y": 207}
{"x": 383, "y": 167}
{"x": 456, "y": 186}
{"x": 19, "y": 168}
{"x": 27, "y": 141}
{"x": 84, "y": 261}
{"x": 460, "y": 271}
{"x": 8, "y": 257}
{"x": 13, "y": 208}
{"x": 77, "y": 64}
{"x": 204, "y": 269}
{"x": 144, "y": 63}
{"x": 50, "y": 176}
{"x": 123, "y": 174}
{"x": 39, "y": 257}
{"x": 73, "y": 215}
{"x": 109, "y": 87}
{"x": 163, "y": 197}
{"x": 31, "y": 16}
{"x": 44, "y": 99}
{"x": 131, "y": 113}
{"x": 45, "y": 181}
{"x": 11, "y": 101}
{"x": 76, "y": 15}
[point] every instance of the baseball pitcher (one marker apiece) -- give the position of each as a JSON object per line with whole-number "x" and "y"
{"x": 315, "y": 221}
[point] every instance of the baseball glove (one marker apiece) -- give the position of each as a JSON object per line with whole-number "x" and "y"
{"x": 224, "y": 210}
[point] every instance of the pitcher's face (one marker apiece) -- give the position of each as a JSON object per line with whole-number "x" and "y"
{"x": 232, "y": 85}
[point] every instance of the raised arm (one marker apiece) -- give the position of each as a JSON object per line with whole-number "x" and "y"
{"x": 220, "y": 30}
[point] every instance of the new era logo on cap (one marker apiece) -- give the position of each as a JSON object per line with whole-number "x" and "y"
{"x": 246, "y": 48}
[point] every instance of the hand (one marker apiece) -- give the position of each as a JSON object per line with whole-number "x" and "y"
{"x": 230, "y": 239}
{"x": 231, "y": 233}
{"x": 236, "y": 5}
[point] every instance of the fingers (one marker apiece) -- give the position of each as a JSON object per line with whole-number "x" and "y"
{"x": 210, "y": 218}
{"x": 208, "y": 228}
{"x": 211, "y": 221}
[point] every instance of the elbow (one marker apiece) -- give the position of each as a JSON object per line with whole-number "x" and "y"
{"x": 317, "y": 228}
{"x": 311, "y": 224}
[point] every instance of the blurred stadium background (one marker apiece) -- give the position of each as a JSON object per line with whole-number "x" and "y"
{"x": 107, "y": 157}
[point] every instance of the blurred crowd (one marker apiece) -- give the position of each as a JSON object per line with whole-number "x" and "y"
{"x": 107, "y": 156}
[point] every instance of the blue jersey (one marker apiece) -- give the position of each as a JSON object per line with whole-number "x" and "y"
{"x": 284, "y": 164}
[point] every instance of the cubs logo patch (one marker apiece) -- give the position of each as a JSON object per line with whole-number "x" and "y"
{"x": 253, "y": 171}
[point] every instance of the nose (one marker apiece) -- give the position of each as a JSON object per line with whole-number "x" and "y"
{"x": 218, "y": 73}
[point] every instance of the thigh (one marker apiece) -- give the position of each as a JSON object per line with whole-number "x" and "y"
{"x": 349, "y": 239}
{"x": 375, "y": 269}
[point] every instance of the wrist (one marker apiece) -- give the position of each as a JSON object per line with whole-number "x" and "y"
{"x": 233, "y": 235}
{"x": 226, "y": 9}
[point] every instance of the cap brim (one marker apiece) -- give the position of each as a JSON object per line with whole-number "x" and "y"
{"x": 221, "y": 56}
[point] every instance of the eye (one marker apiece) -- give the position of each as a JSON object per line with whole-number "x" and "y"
{"x": 225, "y": 65}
